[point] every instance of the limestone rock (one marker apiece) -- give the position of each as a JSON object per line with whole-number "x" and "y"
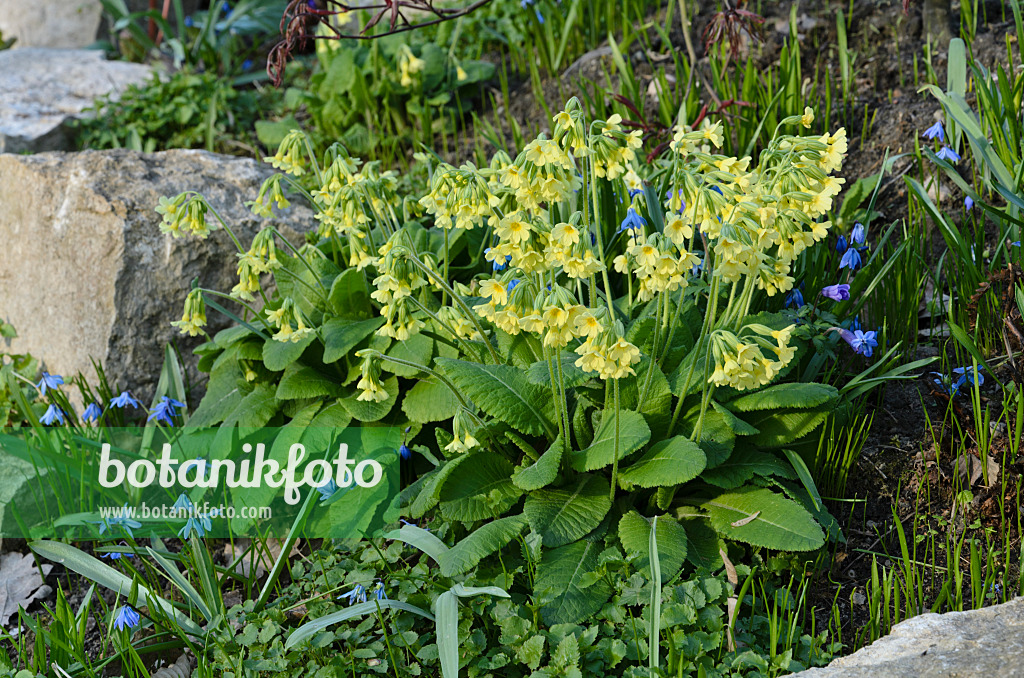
{"x": 987, "y": 642}
{"x": 44, "y": 88}
{"x": 85, "y": 271}
{"x": 51, "y": 23}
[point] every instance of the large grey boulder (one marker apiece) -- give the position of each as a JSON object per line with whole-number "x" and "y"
{"x": 51, "y": 23}
{"x": 85, "y": 272}
{"x": 43, "y": 89}
{"x": 987, "y": 642}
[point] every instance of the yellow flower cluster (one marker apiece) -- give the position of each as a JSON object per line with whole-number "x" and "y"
{"x": 743, "y": 364}
{"x": 183, "y": 215}
{"x": 408, "y": 65}
{"x": 261, "y": 258}
{"x": 658, "y": 264}
{"x": 352, "y": 196}
{"x": 370, "y": 388}
{"x": 395, "y": 285}
{"x": 270, "y": 194}
{"x": 283, "y": 317}
{"x": 193, "y": 319}
{"x": 608, "y": 354}
{"x": 459, "y": 197}
{"x": 290, "y": 153}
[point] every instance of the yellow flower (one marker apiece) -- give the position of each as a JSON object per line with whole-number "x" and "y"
{"x": 495, "y": 291}
{"x": 808, "y": 117}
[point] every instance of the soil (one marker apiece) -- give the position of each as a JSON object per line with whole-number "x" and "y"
{"x": 906, "y": 466}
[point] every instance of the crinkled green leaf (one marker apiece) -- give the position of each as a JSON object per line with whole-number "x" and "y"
{"x": 567, "y": 514}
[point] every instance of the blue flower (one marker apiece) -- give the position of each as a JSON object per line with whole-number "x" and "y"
{"x": 356, "y": 595}
{"x": 840, "y": 292}
{"x": 124, "y": 400}
{"x": 540, "y": 17}
{"x": 404, "y": 452}
{"x": 117, "y": 555}
{"x": 859, "y": 234}
{"x": 682, "y": 203}
{"x": 126, "y": 618}
{"x": 841, "y": 244}
{"x": 935, "y": 132}
{"x": 165, "y": 410}
{"x": 968, "y": 203}
{"x": 92, "y": 412}
{"x": 225, "y": 7}
{"x": 795, "y": 298}
{"x": 850, "y": 260}
{"x": 948, "y": 154}
{"x": 49, "y": 381}
{"x": 963, "y": 376}
{"x": 327, "y": 490}
{"x": 379, "y": 592}
{"x": 633, "y": 221}
{"x": 855, "y": 324}
{"x": 861, "y": 342}
{"x": 189, "y": 21}
{"x": 52, "y": 414}
{"x": 512, "y": 284}
{"x": 122, "y": 520}
{"x": 182, "y": 503}
{"x": 247, "y": 65}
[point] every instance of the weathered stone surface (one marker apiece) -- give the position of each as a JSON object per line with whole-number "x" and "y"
{"x": 987, "y": 642}
{"x": 85, "y": 271}
{"x": 44, "y": 88}
{"x": 51, "y": 23}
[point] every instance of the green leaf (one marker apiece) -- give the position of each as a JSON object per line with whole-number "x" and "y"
{"x": 633, "y": 434}
{"x": 428, "y": 496}
{"x": 368, "y": 410}
{"x": 447, "y": 609}
{"x": 560, "y": 576}
{"x": 503, "y": 392}
{"x": 349, "y": 297}
{"x": 416, "y": 349}
{"x": 430, "y": 400}
{"x": 781, "y": 427}
{"x": 422, "y": 539}
{"x": 106, "y": 576}
{"x": 342, "y": 335}
{"x": 255, "y": 409}
{"x": 806, "y": 479}
{"x": 542, "y": 472}
{"x": 764, "y": 519}
{"x": 635, "y": 535}
{"x": 310, "y": 629}
{"x": 278, "y": 355}
{"x": 742, "y": 465}
{"x": 480, "y": 489}
{"x": 791, "y": 396}
{"x": 567, "y": 514}
{"x": 703, "y": 545}
{"x": 538, "y": 372}
{"x": 668, "y": 462}
{"x": 302, "y": 381}
{"x": 480, "y": 543}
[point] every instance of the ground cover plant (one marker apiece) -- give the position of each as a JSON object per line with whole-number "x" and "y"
{"x": 700, "y": 337}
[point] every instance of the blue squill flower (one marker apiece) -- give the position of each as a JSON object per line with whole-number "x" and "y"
{"x": 850, "y": 260}
{"x": 935, "y": 132}
{"x": 512, "y": 284}
{"x": 190, "y": 22}
{"x": 948, "y": 154}
{"x": 795, "y": 298}
{"x": 356, "y": 595}
{"x": 404, "y": 452}
{"x": 49, "y": 381}
{"x": 165, "y": 410}
{"x": 861, "y": 342}
{"x": 840, "y": 292}
{"x": 841, "y": 244}
{"x": 633, "y": 221}
{"x": 327, "y": 490}
{"x": 52, "y": 414}
{"x": 958, "y": 378}
{"x": 968, "y": 203}
{"x": 379, "y": 593}
{"x": 855, "y": 324}
{"x": 124, "y": 400}
{"x": 126, "y": 618}
{"x": 122, "y": 519}
{"x": 859, "y": 234}
{"x": 92, "y": 412}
